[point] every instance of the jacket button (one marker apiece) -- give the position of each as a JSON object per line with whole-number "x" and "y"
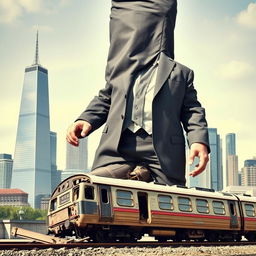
{"x": 125, "y": 96}
{"x": 122, "y": 116}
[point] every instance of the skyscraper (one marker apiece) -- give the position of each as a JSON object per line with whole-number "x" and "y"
{"x": 231, "y": 144}
{"x": 55, "y": 174}
{"x": 76, "y": 157}
{"x": 232, "y": 170}
{"x": 231, "y": 160}
{"x": 6, "y": 163}
{"x": 32, "y": 160}
{"x": 249, "y": 173}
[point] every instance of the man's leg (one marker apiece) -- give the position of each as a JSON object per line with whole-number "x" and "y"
{"x": 139, "y": 146}
{"x": 120, "y": 170}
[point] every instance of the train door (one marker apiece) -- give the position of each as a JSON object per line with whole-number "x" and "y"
{"x": 105, "y": 204}
{"x": 143, "y": 206}
{"x": 233, "y": 214}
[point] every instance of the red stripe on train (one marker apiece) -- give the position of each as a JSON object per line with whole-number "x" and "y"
{"x": 249, "y": 219}
{"x": 173, "y": 213}
{"x": 190, "y": 215}
{"x": 126, "y": 210}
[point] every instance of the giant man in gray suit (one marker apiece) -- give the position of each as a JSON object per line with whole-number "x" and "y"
{"x": 148, "y": 99}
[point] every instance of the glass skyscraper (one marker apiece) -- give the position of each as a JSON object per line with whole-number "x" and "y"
{"x": 231, "y": 160}
{"x": 231, "y": 144}
{"x": 32, "y": 159}
{"x": 55, "y": 174}
{"x": 76, "y": 157}
{"x": 215, "y": 160}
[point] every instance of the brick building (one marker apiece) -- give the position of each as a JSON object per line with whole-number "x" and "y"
{"x": 13, "y": 197}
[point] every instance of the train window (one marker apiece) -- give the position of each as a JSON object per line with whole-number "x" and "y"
{"x": 249, "y": 210}
{"x": 165, "y": 202}
{"x": 124, "y": 198}
{"x": 53, "y": 205}
{"x": 185, "y": 204}
{"x": 202, "y": 206}
{"x": 76, "y": 193}
{"x": 89, "y": 192}
{"x": 64, "y": 198}
{"x": 218, "y": 207}
{"x": 104, "y": 195}
{"x": 232, "y": 208}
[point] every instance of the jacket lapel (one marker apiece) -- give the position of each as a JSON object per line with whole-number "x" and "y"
{"x": 165, "y": 68}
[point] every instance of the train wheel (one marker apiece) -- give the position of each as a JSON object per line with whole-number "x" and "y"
{"x": 161, "y": 239}
{"x": 101, "y": 237}
{"x": 200, "y": 240}
{"x": 238, "y": 238}
{"x": 251, "y": 237}
{"x": 132, "y": 239}
{"x": 213, "y": 237}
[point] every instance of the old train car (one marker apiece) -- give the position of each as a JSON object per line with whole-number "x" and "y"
{"x": 106, "y": 209}
{"x": 247, "y": 209}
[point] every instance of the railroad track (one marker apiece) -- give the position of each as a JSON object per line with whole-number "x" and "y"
{"x": 35, "y": 245}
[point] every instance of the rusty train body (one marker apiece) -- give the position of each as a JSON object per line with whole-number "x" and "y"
{"x": 105, "y": 209}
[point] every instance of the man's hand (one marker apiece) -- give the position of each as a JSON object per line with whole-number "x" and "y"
{"x": 199, "y": 150}
{"x": 77, "y": 130}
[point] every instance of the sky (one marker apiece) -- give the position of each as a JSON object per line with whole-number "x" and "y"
{"x": 216, "y": 39}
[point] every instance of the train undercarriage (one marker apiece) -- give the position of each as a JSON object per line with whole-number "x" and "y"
{"x": 115, "y": 233}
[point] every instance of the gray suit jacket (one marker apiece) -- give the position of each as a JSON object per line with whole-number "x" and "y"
{"x": 175, "y": 106}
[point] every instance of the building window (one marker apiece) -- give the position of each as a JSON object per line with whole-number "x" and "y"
{"x": 202, "y": 206}
{"x": 249, "y": 210}
{"x": 89, "y": 192}
{"x": 218, "y": 207}
{"x": 185, "y": 204}
{"x": 124, "y": 198}
{"x": 165, "y": 202}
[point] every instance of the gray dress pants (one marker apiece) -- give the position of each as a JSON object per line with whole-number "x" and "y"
{"x": 136, "y": 149}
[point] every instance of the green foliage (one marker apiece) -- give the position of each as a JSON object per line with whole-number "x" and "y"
{"x": 13, "y": 213}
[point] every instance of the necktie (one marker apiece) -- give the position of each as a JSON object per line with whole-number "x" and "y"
{"x": 139, "y": 97}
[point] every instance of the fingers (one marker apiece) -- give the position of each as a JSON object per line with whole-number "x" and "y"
{"x": 192, "y": 156}
{"x": 86, "y": 128}
{"x": 199, "y": 150}
{"x": 203, "y": 160}
{"x": 76, "y": 130}
{"x": 71, "y": 136}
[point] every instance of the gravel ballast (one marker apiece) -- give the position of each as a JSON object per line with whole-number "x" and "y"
{"x": 138, "y": 251}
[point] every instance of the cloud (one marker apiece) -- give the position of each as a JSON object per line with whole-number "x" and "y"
{"x": 30, "y": 5}
{"x": 248, "y": 17}
{"x": 11, "y": 10}
{"x": 236, "y": 70}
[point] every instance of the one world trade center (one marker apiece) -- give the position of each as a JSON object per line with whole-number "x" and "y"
{"x": 32, "y": 160}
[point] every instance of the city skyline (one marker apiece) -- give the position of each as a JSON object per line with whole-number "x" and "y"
{"x": 221, "y": 40}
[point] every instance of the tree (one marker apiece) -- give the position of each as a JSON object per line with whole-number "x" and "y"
{"x": 13, "y": 213}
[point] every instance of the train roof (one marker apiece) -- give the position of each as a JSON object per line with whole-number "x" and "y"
{"x": 134, "y": 184}
{"x": 247, "y": 198}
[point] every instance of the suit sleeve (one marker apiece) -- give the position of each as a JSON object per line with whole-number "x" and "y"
{"x": 96, "y": 112}
{"x": 193, "y": 116}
